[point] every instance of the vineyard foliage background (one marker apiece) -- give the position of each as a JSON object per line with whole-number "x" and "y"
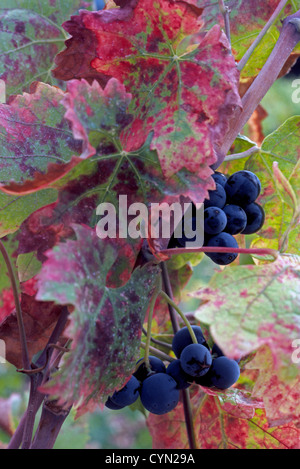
{"x": 136, "y": 100}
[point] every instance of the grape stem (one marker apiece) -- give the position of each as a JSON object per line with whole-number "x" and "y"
{"x": 158, "y": 353}
{"x": 262, "y": 33}
{"x": 251, "y": 251}
{"x": 181, "y": 314}
{"x": 13, "y": 281}
{"x": 225, "y": 12}
{"x": 149, "y": 322}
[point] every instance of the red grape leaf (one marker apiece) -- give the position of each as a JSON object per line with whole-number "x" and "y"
{"x": 278, "y": 388}
{"x": 37, "y": 144}
{"x": 39, "y": 321}
{"x": 185, "y": 95}
{"x": 105, "y": 326}
{"x": 219, "y": 426}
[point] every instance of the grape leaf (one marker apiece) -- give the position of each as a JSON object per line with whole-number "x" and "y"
{"x": 281, "y": 200}
{"x": 37, "y": 143}
{"x": 247, "y": 18}
{"x": 14, "y": 209}
{"x": 278, "y": 388}
{"x": 220, "y": 425}
{"x": 264, "y": 297}
{"x": 185, "y": 95}
{"x": 31, "y": 37}
{"x": 105, "y": 326}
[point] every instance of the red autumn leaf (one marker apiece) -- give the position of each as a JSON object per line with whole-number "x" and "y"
{"x": 186, "y": 95}
{"x": 39, "y": 321}
{"x": 279, "y": 392}
{"x": 105, "y": 326}
{"x": 219, "y": 426}
{"x": 37, "y": 145}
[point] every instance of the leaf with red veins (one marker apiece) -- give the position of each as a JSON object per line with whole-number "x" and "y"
{"x": 96, "y": 114}
{"x": 136, "y": 175}
{"x": 278, "y": 388}
{"x": 262, "y": 308}
{"x": 184, "y": 94}
{"x": 37, "y": 143}
{"x": 219, "y": 426}
{"x": 105, "y": 326}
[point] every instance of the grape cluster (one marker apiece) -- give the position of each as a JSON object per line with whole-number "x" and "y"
{"x": 231, "y": 209}
{"x": 159, "y": 388}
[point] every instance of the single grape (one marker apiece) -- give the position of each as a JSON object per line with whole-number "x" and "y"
{"x": 156, "y": 365}
{"x": 128, "y": 394}
{"x": 217, "y": 197}
{"x": 220, "y": 178}
{"x": 255, "y": 218}
{"x": 222, "y": 240}
{"x": 112, "y": 406}
{"x": 195, "y": 360}
{"x": 236, "y": 219}
{"x": 182, "y": 379}
{"x": 242, "y": 188}
{"x": 222, "y": 374}
{"x": 182, "y": 338}
{"x": 215, "y": 220}
{"x": 159, "y": 393}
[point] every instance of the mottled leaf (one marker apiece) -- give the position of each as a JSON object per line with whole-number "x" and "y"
{"x": 37, "y": 143}
{"x": 279, "y": 388}
{"x": 184, "y": 94}
{"x": 265, "y": 299}
{"x": 31, "y": 36}
{"x": 105, "y": 326}
{"x": 280, "y": 200}
{"x": 220, "y": 425}
{"x": 247, "y": 18}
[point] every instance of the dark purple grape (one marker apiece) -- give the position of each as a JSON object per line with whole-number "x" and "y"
{"x": 242, "y": 188}
{"x": 182, "y": 338}
{"x": 112, "y": 406}
{"x": 217, "y": 197}
{"x": 182, "y": 379}
{"x": 128, "y": 394}
{"x": 159, "y": 393}
{"x": 222, "y": 240}
{"x": 236, "y": 219}
{"x": 156, "y": 364}
{"x": 220, "y": 178}
{"x": 222, "y": 374}
{"x": 195, "y": 360}
{"x": 215, "y": 220}
{"x": 255, "y": 218}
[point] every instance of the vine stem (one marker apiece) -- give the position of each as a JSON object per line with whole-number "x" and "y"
{"x": 186, "y": 401}
{"x": 149, "y": 323}
{"x": 225, "y": 12}
{"x": 253, "y": 46}
{"x": 181, "y": 314}
{"x": 251, "y": 251}
{"x": 13, "y": 281}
